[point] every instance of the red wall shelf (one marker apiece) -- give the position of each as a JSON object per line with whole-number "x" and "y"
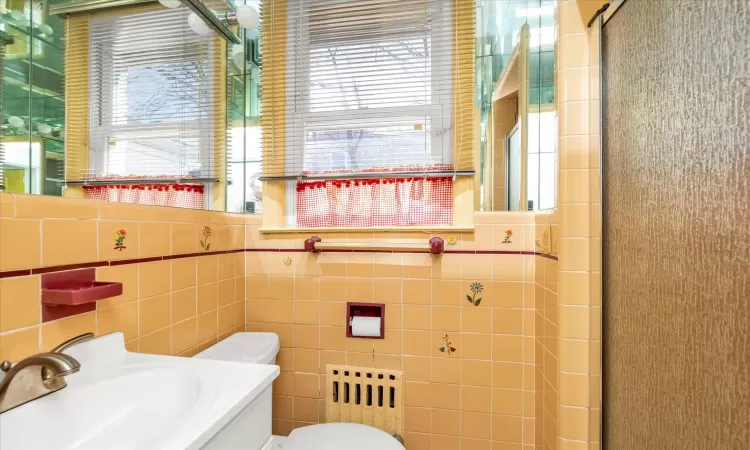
{"x": 74, "y": 292}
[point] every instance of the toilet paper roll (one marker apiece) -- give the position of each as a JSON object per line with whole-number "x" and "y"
{"x": 365, "y": 326}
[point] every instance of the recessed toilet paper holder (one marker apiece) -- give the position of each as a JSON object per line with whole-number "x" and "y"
{"x": 365, "y": 310}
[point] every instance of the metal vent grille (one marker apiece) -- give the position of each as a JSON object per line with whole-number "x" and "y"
{"x": 364, "y": 395}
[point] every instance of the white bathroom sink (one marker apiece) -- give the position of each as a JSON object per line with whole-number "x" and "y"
{"x": 122, "y": 400}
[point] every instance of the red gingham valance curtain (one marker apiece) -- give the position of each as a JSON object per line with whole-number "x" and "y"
{"x": 375, "y": 202}
{"x": 176, "y": 195}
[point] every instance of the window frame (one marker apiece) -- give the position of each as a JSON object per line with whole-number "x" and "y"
{"x": 465, "y": 118}
{"x": 298, "y": 103}
{"x": 111, "y": 92}
{"x": 244, "y": 160}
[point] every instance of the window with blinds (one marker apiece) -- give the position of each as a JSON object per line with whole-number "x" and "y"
{"x": 367, "y": 110}
{"x": 153, "y": 101}
{"x": 368, "y": 89}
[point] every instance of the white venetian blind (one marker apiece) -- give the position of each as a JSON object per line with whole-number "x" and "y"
{"x": 367, "y": 87}
{"x": 153, "y": 105}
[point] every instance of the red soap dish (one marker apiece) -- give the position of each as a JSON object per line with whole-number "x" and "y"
{"x": 74, "y": 292}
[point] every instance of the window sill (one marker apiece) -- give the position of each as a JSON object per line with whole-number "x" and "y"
{"x": 414, "y": 229}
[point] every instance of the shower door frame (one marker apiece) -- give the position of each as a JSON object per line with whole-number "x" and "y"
{"x": 596, "y": 116}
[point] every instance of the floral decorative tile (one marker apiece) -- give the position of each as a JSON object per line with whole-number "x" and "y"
{"x": 205, "y": 244}
{"x": 447, "y": 347}
{"x": 476, "y": 289}
{"x": 508, "y": 235}
{"x": 288, "y": 261}
{"x": 452, "y": 240}
{"x": 119, "y": 239}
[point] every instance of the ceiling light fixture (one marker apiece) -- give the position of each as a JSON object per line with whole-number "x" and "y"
{"x": 238, "y": 56}
{"x": 16, "y": 122}
{"x": 198, "y": 25}
{"x": 247, "y": 16}
{"x": 46, "y": 29}
{"x": 244, "y": 15}
{"x": 170, "y": 3}
{"x": 211, "y": 21}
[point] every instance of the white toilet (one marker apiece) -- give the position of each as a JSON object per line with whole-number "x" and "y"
{"x": 262, "y": 348}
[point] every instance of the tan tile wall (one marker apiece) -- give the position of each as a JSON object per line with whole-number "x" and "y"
{"x": 546, "y": 327}
{"x": 172, "y": 307}
{"x": 579, "y": 309}
{"x": 480, "y": 397}
{"x": 493, "y": 392}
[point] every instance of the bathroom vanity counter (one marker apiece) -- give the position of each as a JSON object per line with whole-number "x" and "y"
{"x": 124, "y": 400}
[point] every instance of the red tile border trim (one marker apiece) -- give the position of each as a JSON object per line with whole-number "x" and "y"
{"x": 15, "y": 273}
{"x": 118, "y": 262}
{"x": 51, "y": 269}
{"x": 122, "y": 262}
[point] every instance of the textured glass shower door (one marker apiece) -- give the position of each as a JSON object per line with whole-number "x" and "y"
{"x": 676, "y": 225}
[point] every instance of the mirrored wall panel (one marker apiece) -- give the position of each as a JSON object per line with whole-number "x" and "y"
{"x": 143, "y": 101}
{"x": 515, "y": 98}
{"x": 33, "y": 87}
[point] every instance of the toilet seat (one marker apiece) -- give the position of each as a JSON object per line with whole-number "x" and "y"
{"x": 340, "y": 436}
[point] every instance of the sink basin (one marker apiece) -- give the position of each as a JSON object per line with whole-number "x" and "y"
{"x": 128, "y": 410}
{"x": 122, "y": 400}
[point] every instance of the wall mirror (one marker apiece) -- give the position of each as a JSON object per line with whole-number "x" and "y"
{"x": 33, "y": 89}
{"x": 518, "y": 136}
{"x": 138, "y": 101}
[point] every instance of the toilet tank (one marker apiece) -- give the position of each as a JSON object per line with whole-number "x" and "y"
{"x": 258, "y": 348}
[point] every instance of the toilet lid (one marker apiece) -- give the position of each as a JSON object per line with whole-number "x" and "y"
{"x": 341, "y": 436}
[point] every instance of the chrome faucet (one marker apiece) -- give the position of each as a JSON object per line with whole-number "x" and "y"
{"x": 38, "y": 375}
